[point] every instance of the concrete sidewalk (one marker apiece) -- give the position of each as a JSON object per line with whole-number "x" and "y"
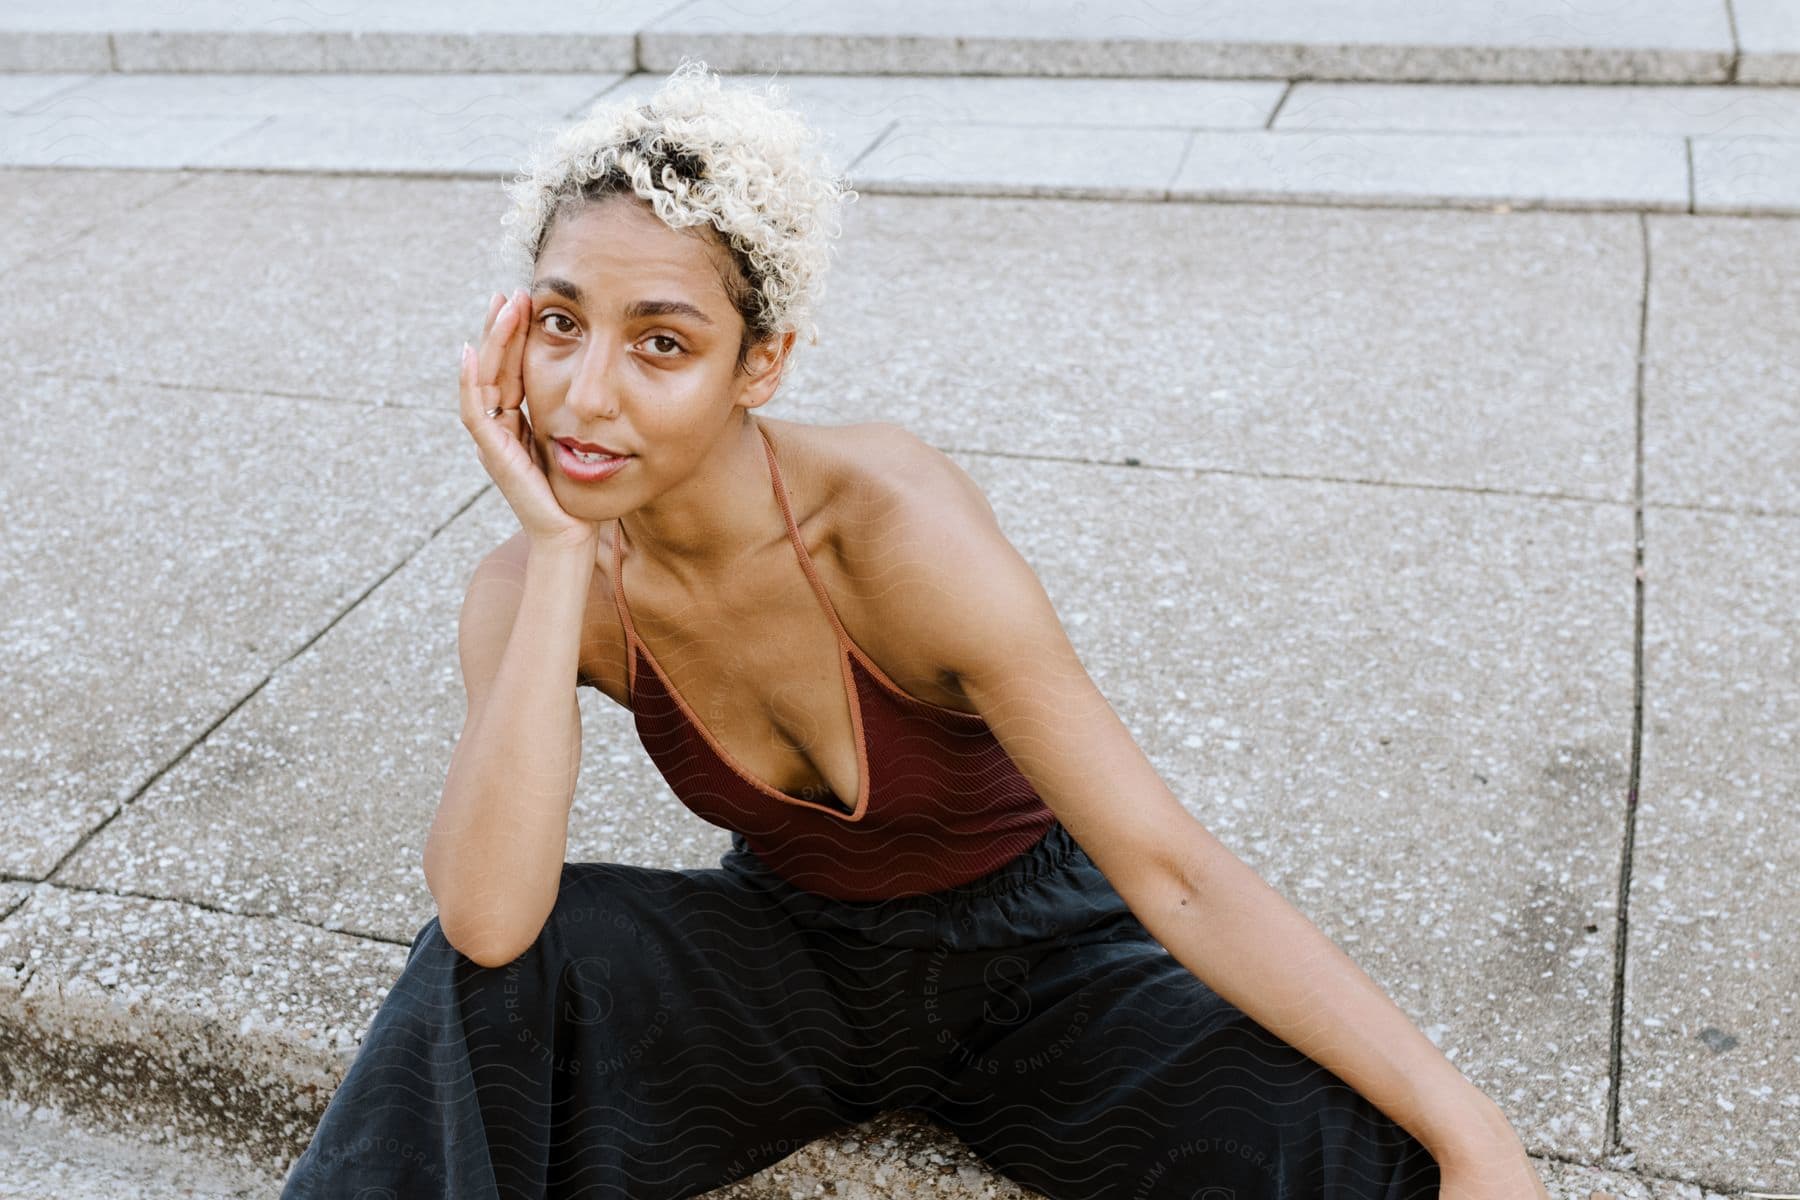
{"x": 1662, "y": 148}
{"x": 1513, "y": 41}
{"x": 1441, "y": 558}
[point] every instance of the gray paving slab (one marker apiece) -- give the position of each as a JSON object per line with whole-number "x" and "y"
{"x": 269, "y": 283}
{"x": 347, "y": 94}
{"x": 1769, "y": 35}
{"x": 47, "y": 51}
{"x": 295, "y": 35}
{"x": 47, "y": 210}
{"x": 488, "y": 145}
{"x": 313, "y": 801}
{"x": 147, "y": 597}
{"x": 485, "y": 146}
{"x": 57, "y": 139}
{"x": 1016, "y": 100}
{"x": 1534, "y": 108}
{"x": 1010, "y": 160}
{"x": 1566, "y": 171}
{"x": 392, "y": 16}
{"x": 202, "y": 1031}
{"x": 23, "y": 93}
{"x": 350, "y": 50}
{"x": 1711, "y": 1036}
{"x": 1748, "y": 175}
{"x": 1434, "y": 348}
{"x": 1721, "y": 374}
{"x": 1661, "y": 40}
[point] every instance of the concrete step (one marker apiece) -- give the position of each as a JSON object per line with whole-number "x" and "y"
{"x": 46, "y": 1156}
{"x": 172, "y": 1033}
{"x": 1511, "y": 41}
{"x": 1704, "y": 149}
{"x": 159, "y": 1050}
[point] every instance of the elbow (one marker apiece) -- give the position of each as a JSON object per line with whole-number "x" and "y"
{"x": 484, "y": 942}
{"x": 484, "y": 950}
{"x": 486, "y": 956}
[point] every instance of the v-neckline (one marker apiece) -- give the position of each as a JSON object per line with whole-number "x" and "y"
{"x": 852, "y": 697}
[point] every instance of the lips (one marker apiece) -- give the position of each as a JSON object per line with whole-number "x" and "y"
{"x": 591, "y": 448}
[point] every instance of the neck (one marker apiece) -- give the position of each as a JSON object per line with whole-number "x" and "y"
{"x": 701, "y": 530}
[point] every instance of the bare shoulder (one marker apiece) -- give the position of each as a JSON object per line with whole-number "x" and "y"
{"x": 903, "y": 486}
{"x": 921, "y": 537}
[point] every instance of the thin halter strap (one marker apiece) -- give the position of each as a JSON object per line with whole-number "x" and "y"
{"x": 806, "y": 564}
{"x": 624, "y": 610}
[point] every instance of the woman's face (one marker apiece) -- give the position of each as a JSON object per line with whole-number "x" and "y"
{"x": 632, "y": 345}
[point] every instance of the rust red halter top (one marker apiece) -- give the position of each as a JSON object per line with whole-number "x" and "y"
{"x": 941, "y": 803}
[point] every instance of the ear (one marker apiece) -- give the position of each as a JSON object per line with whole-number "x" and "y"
{"x": 763, "y": 367}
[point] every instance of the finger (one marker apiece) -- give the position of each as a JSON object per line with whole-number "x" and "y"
{"x": 493, "y": 307}
{"x": 493, "y": 350}
{"x": 512, "y": 381}
{"x": 471, "y": 404}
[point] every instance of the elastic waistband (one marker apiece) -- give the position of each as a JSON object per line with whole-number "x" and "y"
{"x": 1053, "y": 851}
{"x": 1049, "y": 890}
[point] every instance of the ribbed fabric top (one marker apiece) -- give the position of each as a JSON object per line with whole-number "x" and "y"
{"x": 940, "y": 802}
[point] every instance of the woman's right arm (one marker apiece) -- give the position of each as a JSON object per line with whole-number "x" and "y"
{"x": 494, "y": 856}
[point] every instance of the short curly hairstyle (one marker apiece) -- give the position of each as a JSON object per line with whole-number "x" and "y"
{"x": 737, "y": 159}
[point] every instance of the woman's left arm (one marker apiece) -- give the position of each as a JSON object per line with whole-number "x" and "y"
{"x": 1215, "y": 915}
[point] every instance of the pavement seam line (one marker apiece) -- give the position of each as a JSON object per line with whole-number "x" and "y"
{"x": 1280, "y": 100}
{"x": 870, "y": 148}
{"x": 1737, "y": 49}
{"x": 194, "y": 742}
{"x": 1688, "y": 144}
{"x": 182, "y": 179}
{"x": 637, "y": 35}
{"x": 1187, "y": 147}
{"x": 78, "y": 889}
{"x": 580, "y": 109}
{"x": 1612, "y": 1139}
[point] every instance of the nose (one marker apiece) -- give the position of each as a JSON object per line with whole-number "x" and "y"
{"x": 593, "y": 391}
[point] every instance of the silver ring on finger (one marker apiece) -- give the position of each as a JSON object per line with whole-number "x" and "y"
{"x": 494, "y": 412}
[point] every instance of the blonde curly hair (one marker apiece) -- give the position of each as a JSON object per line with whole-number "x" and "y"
{"x": 737, "y": 159}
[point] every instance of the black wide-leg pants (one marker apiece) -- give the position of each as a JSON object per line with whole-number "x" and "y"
{"x": 673, "y": 1031}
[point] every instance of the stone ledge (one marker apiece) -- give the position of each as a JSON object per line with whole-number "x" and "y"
{"x": 138, "y": 1019}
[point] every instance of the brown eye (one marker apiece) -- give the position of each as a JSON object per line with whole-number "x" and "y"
{"x": 557, "y": 316}
{"x": 674, "y": 346}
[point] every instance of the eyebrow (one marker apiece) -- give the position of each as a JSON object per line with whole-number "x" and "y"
{"x": 634, "y": 310}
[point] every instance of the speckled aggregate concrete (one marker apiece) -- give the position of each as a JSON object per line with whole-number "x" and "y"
{"x": 327, "y": 287}
{"x": 45, "y": 1156}
{"x": 313, "y": 803}
{"x": 216, "y": 1032}
{"x": 147, "y": 599}
{"x": 1712, "y": 1013}
{"x": 1386, "y": 658}
{"x": 1426, "y": 348}
{"x": 1515, "y": 40}
{"x": 1722, "y": 376}
{"x": 47, "y": 211}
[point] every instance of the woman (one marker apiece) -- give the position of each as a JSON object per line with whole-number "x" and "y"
{"x": 956, "y": 885}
